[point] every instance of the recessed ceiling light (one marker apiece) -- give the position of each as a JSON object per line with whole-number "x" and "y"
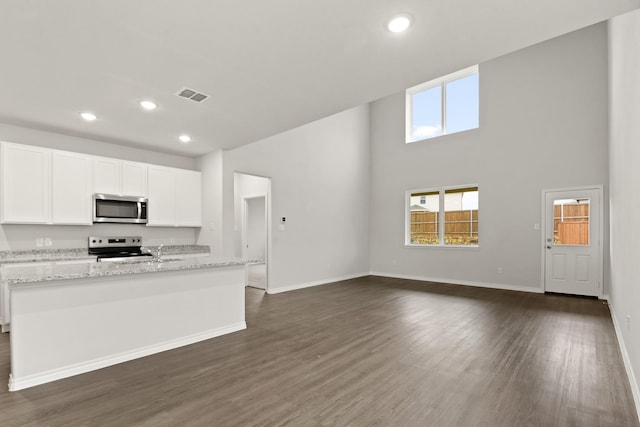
{"x": 399, "y": 23}
{"x": 148, "y": 105}
{"x": 184, "y": 138}
{"x": 89, "y": 117}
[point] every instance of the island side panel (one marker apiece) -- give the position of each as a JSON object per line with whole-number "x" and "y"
{"x": 67, "y": 327}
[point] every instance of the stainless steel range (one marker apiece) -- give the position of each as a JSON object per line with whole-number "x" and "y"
{"x": 119, "y": 248}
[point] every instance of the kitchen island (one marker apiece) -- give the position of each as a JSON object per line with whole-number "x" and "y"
{"x": 74, "y": 318}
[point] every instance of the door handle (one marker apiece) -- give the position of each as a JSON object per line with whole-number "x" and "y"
{"x": 548, "y": 246}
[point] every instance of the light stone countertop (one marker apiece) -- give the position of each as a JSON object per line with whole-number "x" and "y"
{"x": 40, "y": 255}
{"x": 46, "y": 272}
{"x": 71, "y": 254}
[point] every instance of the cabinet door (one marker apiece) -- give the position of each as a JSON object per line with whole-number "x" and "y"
{"x": 161, "y": 208}
{"x": 71, "y": 184}
{"x": 189, "y": 199}
{"x": 106, "y": 175}
{"x": 26, "y": 185}
{"x": 134, "y": 179}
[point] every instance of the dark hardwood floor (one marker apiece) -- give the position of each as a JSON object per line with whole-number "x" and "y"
{"x": 370, "y": 351}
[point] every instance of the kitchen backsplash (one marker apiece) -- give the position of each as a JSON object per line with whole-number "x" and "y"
{"x": 27, "y": 237}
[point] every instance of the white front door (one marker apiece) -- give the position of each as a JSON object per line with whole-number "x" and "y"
{"x": 573, "y": 239}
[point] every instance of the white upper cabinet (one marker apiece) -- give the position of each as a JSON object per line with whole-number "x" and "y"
{"x": 161, "y": 208}
{"x": 26, "y": 184}
{"x": 44, "y": 186}
{"x": 107, "y": 175}
{"x": 189, "y": 199}
{"x": 71, "y": 183}
{"x": 175, "y": 197}
{"x": 113, "y": 176}
{"x": 134, "y": 179}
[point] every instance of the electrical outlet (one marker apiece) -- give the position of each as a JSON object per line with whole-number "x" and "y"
{"x": 47, "y": 241}
{"x": 499, "y": 270}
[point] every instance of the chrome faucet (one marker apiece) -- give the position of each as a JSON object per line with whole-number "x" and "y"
{"x": 159, "y": 253}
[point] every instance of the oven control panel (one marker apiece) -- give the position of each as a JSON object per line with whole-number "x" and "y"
{"x": 114, "y": 242}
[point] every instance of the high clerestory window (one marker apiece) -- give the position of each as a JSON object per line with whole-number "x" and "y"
{"x": 443, "y": 106}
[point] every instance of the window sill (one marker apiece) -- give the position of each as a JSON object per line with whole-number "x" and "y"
{"x": 437, "y": 137}
{"x": 468, "y": 247}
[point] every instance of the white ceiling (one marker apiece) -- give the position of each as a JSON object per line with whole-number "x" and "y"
{"x": 268, "y": 66}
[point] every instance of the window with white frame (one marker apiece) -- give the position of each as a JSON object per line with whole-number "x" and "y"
{"x": 443, "y": 106}
{"x": 447, "y": 217}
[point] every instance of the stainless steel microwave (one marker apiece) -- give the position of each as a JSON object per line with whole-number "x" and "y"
{"x": 120, "y": 209}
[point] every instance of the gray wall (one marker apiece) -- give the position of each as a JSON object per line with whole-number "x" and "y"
{"x": 543, "y": 125}
{"x": 320, "y": 183}
{"x": 211, "y": 232}
{"x": 624, "y": 174}
{"x": 28, "y": 136}
{"x": 18, "y": 237}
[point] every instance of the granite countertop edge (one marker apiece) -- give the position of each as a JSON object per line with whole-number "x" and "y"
{"x": 71, "y": 254}
{"x": 53, "y": 273}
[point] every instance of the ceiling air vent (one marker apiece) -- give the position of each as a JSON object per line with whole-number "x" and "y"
{"x": 192, "y": 95}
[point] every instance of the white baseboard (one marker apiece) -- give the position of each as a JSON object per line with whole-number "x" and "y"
{"x": 314, "y": 283}
{"x": 459, "y": 282}
{"x": 92, "y": 365}
{"x": 635, "y": 388}
{"x": 405, "y": 276}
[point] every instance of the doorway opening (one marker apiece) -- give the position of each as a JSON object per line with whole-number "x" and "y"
{"x": 252, "y": 212}
{"x": 254, "y": 241}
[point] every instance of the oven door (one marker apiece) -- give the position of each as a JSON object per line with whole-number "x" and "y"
{"x": 119, "y": 209}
